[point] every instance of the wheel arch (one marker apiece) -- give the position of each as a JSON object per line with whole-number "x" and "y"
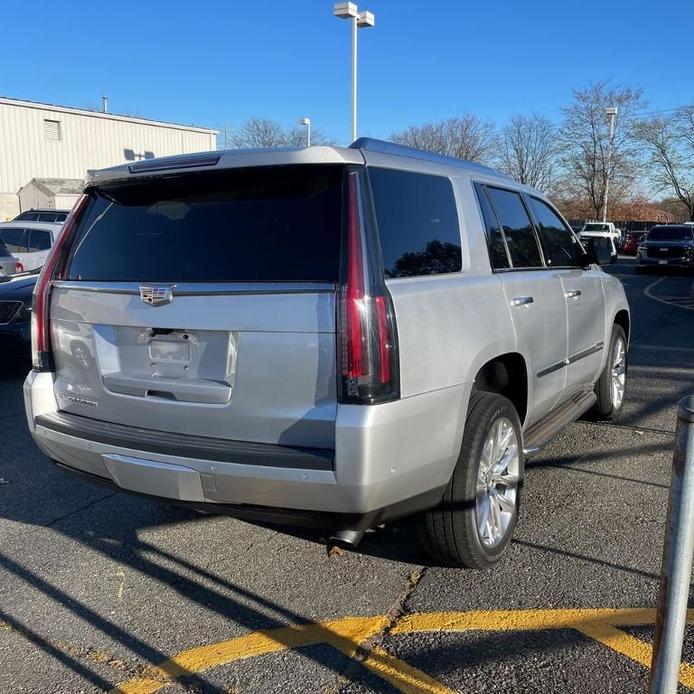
{"x": 507, "y": 375}
{"x": 623, "y": 319}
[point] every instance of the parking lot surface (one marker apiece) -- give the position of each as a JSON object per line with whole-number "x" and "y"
{"x": 100, "y": 590}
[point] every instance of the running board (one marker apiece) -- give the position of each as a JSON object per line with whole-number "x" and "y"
{"x": 540, "y": 433}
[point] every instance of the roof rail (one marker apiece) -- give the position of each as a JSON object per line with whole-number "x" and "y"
{"x": 373, "y": 145}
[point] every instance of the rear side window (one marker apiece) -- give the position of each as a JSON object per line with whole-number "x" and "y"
{"x": 495, "y": 240}
{"x": 14, "y": 238}
{"x": 39, "y": 240}
{"x": 518, "y": 229}
{"x": 417, "y": 223}
{"x": 560, "y": 246}
{"x": 246, "y": 225}
{"x": 50, "y": 217}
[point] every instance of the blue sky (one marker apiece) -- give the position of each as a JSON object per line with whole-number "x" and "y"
{"x": 215, "y": 63}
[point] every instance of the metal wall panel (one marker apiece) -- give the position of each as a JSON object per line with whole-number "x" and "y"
{"x": 87, "y": 141}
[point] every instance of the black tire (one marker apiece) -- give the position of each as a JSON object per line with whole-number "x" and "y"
{"x": 605, "y": 407}
{"x": 449, "y": 532}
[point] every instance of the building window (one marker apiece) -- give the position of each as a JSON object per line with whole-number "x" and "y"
{"x": 51, "y": 129}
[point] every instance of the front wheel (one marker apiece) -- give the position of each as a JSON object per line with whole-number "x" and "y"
{"x": 475, "y": 520}
{"x": 611, "y": 385}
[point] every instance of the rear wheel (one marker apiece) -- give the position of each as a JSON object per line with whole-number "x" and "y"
{"x": 611, "y": 385}
{"x": 475, "y": 521}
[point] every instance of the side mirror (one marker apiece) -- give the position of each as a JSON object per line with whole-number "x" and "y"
{"x": 588, "y": 257}
{"x": 600, "y": 251}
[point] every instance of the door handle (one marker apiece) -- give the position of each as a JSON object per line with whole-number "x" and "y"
{"x": 572, "y": 294}
{"x": 522, "y": 301}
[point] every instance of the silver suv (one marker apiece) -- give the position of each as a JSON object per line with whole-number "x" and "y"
{"x": 333, "y": 337}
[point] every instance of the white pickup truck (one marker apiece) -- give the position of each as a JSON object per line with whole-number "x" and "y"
{"x": 611, "y": 235}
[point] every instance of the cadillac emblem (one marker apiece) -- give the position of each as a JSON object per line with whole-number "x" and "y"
{"x": 156, "y": 296}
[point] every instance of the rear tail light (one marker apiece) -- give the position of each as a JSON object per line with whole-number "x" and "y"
{"x": 19, "y": 267}
{"x": 41, "y": 353}
{"x": 367, "y": 333}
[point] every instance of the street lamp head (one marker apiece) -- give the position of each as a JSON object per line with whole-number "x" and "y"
{"x": 345, "y": 10}
{"x": 304, "y": 121}
{"x": 366, "y": 19}
{"x": 611, "y": 111}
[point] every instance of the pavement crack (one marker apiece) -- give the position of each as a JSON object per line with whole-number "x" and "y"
{"x": 631, "y": 427}
{"x": 55, "y": 521}
{"x": 397, "y": 610}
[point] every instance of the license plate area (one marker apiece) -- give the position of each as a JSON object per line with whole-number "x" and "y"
{"x": 170, "y": 353}
{"x": 662, "y": 262}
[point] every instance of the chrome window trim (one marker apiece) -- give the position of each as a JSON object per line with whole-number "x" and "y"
{"x": 201, "y": 288}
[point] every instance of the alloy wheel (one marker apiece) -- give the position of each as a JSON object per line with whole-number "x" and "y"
{"x": 618, "y": 372}
{"x": 497, "y": 482}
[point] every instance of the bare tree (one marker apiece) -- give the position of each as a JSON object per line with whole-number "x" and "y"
{"x": 669, "y": 148}
{"x": 585, "y": 144}
{"x": 259, "y": 132}
{"x": 264, "y": 132}
{"x": 527, "y": 151}
{"x": 467, "y": 137}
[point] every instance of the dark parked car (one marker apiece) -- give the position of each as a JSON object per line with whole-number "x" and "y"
{"x": 53, "y": 216}
{"x": 631, "y": 245}
{"x": 15, "y": 310}
{"x": 667, "y": 245}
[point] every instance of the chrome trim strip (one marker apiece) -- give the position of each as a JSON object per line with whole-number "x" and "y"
{"x": 204, "y": 288}
{"x": 574, "y": 358}
{"x": 551, "y": 369}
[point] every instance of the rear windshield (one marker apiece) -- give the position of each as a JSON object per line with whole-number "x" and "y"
{"x": 247, "y": 225}
{"x": 670, "y": 234}
{"x": 596, "y": 227}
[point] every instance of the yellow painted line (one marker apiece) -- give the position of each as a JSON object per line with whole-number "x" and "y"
{"x": 348, "y": 633}
{"x": 344, "y": 634}
{"x": 522, "y": 620}
{"x": 631, "y": 647}
{"x": 402, "y": 676}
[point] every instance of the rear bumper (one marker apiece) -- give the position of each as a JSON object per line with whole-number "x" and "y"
{"x": 385, "y": 457}
{"x": 285, "y": 516}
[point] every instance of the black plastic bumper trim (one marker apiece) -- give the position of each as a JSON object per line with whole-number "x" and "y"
{"x": 187, "y": 446}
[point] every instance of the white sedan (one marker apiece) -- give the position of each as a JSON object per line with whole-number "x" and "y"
{"x": 29, "y": 242}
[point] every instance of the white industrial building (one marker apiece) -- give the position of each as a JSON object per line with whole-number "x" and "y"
{"x": 41, "y": 143}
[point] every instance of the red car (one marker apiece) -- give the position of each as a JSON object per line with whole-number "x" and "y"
{"x": 634, "y": 238}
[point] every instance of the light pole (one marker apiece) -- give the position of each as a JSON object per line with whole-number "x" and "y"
{"x": 612, "y": 115}
{"x": 360, "y": 20}
{"x": 307, "y": 123}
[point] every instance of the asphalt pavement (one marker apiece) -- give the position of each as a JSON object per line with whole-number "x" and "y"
{"x": 101, "y": 590}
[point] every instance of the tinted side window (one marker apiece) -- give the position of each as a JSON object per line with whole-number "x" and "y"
{"x": 417, "y": 223}
{"x": 3, "y": 251}
{"x": 14, "y": 238}
{"x": 560, "y": 246}
{"x": 28, "y": 217}
{"x": 47, "y": 217}
{"x": 518, "y": 229}
{"x": 39, "y": 240}
{"x": 495, "y": 240}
